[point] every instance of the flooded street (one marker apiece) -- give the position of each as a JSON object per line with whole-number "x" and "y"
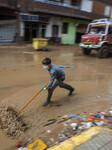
{"x": 22, "y": 76}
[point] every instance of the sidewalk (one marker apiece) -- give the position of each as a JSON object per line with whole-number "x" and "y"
{"x": 95, "y": 138}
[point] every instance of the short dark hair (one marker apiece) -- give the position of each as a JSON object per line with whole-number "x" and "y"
{"x": 46, "y": 61}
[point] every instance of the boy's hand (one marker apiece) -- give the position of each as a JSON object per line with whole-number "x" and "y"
{"x": 43, "y": 88}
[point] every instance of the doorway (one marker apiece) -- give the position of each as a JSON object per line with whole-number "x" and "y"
{"x": 81, "y": 29}
{"x": 34, "y": 30}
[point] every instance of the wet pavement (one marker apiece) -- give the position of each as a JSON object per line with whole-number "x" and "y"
{"x": 22, "y": 75}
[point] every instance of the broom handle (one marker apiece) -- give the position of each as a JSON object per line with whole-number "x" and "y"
{"x": 29, "y": 101}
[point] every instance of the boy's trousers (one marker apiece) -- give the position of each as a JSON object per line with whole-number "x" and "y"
{"x": 61, "y": 85}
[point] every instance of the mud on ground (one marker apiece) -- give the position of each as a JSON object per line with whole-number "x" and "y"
{"x": 22, "y": 76}
{"x": 11, "y": 124}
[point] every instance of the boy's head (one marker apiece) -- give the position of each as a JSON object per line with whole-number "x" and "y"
{"x": 46, "y": 63}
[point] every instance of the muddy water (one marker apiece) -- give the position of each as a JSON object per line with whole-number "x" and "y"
{"x": 22, "y": 75}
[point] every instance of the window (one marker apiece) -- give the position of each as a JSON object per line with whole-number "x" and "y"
{"x": 107, "y": 10}
{"x": 48, "y": 1}
{"x": 67, "y": 2}
{"x": 29, "y": 17}
{"x": 65, "y": 28}
{"x": 76, "y": 3}
{"x": 40, "y": 0}
{"x": 12, "y": 2}
{"x": 86, "y": 5}
{"x": 54, "y": 0}
{"x": 110, "y": 30}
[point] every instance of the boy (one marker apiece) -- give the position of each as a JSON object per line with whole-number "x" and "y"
{"x": 55, "y": 73}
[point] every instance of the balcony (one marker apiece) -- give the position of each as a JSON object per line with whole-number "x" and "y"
{"x": 58, "y": 2}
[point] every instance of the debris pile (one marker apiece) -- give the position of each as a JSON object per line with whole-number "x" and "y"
{"x": 11, "y": 124}
{"x": 70, "y": 125}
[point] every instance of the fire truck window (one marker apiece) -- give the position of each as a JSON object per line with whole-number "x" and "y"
{"x": 110, "y": 30}
{"x": 92, "y": 30}
{"x": 101, "y": 30}
{"x": 97, "y": 30}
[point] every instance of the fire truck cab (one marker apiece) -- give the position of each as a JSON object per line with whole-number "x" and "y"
{"x": 98, "y": 37}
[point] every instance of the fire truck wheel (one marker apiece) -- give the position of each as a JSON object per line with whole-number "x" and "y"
{"x": 103, "y": 51}
{"x": 86, "y": 51}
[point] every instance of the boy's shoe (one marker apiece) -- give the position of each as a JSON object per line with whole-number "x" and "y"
{"x": 46, "y": 103}
{"x": 71, "y": 91}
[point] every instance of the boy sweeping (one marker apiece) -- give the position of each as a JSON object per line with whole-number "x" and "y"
{"x": 55, "y": 73}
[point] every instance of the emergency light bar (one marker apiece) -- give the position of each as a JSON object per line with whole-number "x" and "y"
{"x": 100, "y": 20}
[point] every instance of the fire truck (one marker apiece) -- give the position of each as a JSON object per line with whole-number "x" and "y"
{"x": 98, "y": 37}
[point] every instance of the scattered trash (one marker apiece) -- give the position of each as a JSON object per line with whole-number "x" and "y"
{"x": 97, "y": 116}
{"x": 99, "y": 123}
{"x": 81, "y": 127}
{"x": 21, "y": 145}
{"x": 94, "y": 123}
{"x": 88, "y": 125}
{"x": 85, "y": 125}
{"x": 73, "y": 115}
{"x": 22, "y": 148}
{"x": 45, "y": 49}
{"x": 63, "y": 139}
{"x": 110, "y": 112}
{"x": 52, "y": 140}
{"x": 66, "y": 66}
{"x": 51, "y": 121}
{"x": 61, "y": 135}
{"x": 74, "y": 126}
{"x": 65, "y": 124}
{"x": 91, "y": 117}
{"x": 63, "y": 118}
{"x": 37, "y": 144}
{"x": 110, "y": 118}
{"x": 48, "y": 131}
{"x": 102, "y": 115}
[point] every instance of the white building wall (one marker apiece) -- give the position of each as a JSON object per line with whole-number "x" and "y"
{"x": 86, "y": 5}
{"x": 54, "y": 21}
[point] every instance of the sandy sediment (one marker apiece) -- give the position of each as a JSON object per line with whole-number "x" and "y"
{"x": 10, "y": 123}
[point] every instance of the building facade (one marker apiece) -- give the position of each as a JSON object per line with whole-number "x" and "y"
{"x": 105, "y": 7}
{"x": 57, "y": 20}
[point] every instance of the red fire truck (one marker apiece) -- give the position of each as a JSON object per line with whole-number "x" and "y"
{"x": 98, "y": 37}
